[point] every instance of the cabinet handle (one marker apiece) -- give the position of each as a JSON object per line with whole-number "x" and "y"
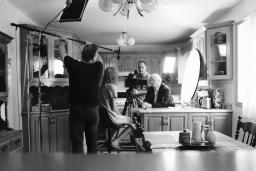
{"x": 49, "y": 120}
{"x": 165, "y": 121}
{"x": 54, "y": 120}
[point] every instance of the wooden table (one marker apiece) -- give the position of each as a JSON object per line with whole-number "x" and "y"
{"x": 169, "y": 140}
{"x": 166, "y": 161}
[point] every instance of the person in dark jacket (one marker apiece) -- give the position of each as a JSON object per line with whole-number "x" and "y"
{"x": 84, "y": 84}
{"x": 159, "y": 94}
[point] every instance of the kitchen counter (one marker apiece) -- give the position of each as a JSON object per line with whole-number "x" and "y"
{"x": 179, "y": 110}
{"x": 179, "y": 118}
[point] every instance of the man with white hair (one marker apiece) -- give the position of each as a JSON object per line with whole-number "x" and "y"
{"x": 159, "y": 94}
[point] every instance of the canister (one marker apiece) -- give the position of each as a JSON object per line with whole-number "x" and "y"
{"x": 206, "y": 103}
{"x": 184, "y": 137}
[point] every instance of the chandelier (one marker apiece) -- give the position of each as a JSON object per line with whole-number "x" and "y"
{"x": 124, "y": 7}
{"x": 125, "y": 40}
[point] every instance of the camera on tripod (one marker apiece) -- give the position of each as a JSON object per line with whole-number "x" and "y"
{"x": 132, "y": 81}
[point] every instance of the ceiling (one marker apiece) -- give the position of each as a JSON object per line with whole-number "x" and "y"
{"x": 172, "y": 22}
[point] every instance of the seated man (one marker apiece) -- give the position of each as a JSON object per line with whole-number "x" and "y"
{"x": 159, "y": 94}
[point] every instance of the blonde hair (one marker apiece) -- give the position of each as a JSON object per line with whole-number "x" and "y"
{"x": 110, "y": 75}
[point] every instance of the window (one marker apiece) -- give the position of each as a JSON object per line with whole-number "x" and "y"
{"x": 169, "y": 64}
{"x": 246, "y": 61}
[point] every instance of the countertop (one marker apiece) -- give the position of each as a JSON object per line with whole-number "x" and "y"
{"x": 180, "y": 109}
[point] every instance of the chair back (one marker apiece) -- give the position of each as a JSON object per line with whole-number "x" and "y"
{"x": 247, "y": 130}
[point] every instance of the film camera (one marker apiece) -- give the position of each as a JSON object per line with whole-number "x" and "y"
{"x": 132, "y": 82}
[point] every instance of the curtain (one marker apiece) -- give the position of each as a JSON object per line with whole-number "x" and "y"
{"x": 247, "y": 65}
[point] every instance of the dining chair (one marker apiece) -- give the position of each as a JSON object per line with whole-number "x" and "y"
{"x": 111, "y": 131}
{"x": 247, "y": 130}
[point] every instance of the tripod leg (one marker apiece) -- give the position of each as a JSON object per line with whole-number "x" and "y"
{"x": 125, "y": 108}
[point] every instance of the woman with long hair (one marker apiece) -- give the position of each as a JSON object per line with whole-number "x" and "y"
{"x": 108, "y": 95}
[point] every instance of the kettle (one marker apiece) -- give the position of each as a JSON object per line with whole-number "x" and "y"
{"x": 206, "y": 103}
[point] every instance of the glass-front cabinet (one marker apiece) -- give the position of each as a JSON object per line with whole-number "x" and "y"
{"x": 219, "y": 50}
{"x": 44, "y": 59}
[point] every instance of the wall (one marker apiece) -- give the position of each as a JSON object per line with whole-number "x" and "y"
{"x": 236, "y": 13}
{"x": 9, "y": 14}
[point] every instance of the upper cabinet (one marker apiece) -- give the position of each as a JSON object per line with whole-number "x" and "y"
{"x": 214, "y": 42}
{"x": 198, "y": 41}
{"x": 219, "y": 50}
{"x": 127, "y": 62}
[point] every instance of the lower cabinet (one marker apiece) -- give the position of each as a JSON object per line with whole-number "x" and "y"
{"x": 223, "y": 123}
{"x": 54, "y": 132}
{"x": 154, "y": 122}
{"x": 203, "y": 117}
{"x": 172, "y": 121}
{"x": 177, "y": 121}
{"x": 165, "y": 122}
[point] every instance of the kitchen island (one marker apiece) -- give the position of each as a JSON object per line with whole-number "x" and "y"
{"x": 178, "y": 118}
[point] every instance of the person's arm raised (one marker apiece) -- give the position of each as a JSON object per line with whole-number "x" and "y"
{"x": 98, "y": 58}
{"x": 62, "y": 49}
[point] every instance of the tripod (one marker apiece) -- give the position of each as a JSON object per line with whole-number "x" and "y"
{"x": 130, "y": 102}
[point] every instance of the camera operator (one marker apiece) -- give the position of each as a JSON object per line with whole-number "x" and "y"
{"x": 142, "y": 75}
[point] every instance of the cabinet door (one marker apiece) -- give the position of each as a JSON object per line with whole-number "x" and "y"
{"x": 203, "y": 117}
{"x": 112, "y": 61}
{"x": 153, "y": 122}
{"x": 156, "y": 65}
{"x": 223, "y": 123}
{"x": 55, "y": 133}
{"x": 219, "y": 51}
{"x": 176, "y": 122}
{"x": 126, "y": 62}
{"x": 61, "y": 129}
{"x": 35, "y": 135}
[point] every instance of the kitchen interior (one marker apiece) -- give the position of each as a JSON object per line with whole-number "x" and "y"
{"x": 199, "y": 37}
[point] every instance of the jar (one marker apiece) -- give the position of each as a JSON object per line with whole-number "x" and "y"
{"x": 184, "y": 137}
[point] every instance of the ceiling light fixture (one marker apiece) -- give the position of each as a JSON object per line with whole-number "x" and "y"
{"x": 125, "y": 40}
{"x": 124, "y": 7}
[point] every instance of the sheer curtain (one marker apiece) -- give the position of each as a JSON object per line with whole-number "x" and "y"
{"x": 247, "y": 65}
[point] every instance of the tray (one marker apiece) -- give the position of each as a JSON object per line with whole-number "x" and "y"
{"x": 198, "y": 144}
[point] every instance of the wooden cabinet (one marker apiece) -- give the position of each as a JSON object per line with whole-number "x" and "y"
{"x": 165, "y": 119}
{"x": 219, "y": 50}
{"x": 156, "y": 64}
{"x": 202, "y": 117}
{"x": 127, "y": 62}
{"x": 222, "y": 122}
{"x": 154, "y": 122}
{"x": 10, "y": 141}
{"x": 177, "y": 121}
{"x": 165, "y": 122}
{"x": 198, "y": 41}
{"x": 54, "y": 129}
{"x": 109, "y": 60}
